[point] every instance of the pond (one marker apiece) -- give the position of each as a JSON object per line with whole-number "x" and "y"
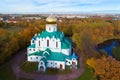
{"x": 108, "y": 45}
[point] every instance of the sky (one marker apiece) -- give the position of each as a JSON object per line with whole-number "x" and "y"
{"x": 60, "y": 6}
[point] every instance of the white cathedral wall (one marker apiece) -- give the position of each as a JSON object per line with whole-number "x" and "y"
{"x": 34, "y": 58}
{"x": 55, "y": 64}
{"x": 74, "y": 60}
{"x": 68, "y": 62}
{"x": 51, "y": 27}
{"x": 43, "y": 64}
{"x": 66, "y": 51}
{"x": 31, "y": 50}
{"x": 52, "y": 44}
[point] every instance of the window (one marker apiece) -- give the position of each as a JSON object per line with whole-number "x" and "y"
{"x": 41, "y": 63}
{"x": 66, "y": 61}
{"x": 39, "y": 43}
{"x": 55, "y": 63}
{"x": 36, "y": 57}
{"x": 31, "y": 58}
{"x": 69, "y": 62}
{"x": 47, "y": 43}
{"x": 30, "y": 49}
{"x": 49, "y": 29}
{"x": 32, "y": 41}
{"x": 33, "y": 49}
{"x": 56, "y": 44}
{"x": 51, "y": 62}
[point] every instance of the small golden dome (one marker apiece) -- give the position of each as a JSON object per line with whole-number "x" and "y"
{"x": 51, "y": 19}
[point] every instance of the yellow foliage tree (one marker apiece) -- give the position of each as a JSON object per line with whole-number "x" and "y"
{"x": 91, "y": 62}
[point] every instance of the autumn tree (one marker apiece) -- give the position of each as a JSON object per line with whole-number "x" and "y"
{"x": 106, "y": 68}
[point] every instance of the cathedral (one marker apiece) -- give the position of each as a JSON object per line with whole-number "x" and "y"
{"x": 51, "y": 49}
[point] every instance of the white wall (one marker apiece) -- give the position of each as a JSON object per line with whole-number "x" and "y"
{"x": 74, "y": 60}
{"x": 32, "y": 41}
{"x": 31, "y": 50}
{"x": 51, "y": 27}
{"x": 54, "y": 65}
{"x": 69, "y": 62}
{"x": 66, "y": 51}
{"x": 52, "y": 44}
{"x": 43, "y": 65}
{"x": 34, "y": 59}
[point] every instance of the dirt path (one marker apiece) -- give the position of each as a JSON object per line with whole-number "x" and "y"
{"x": 21, "y": 57}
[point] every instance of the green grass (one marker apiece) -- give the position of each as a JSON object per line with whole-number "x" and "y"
{"x": 87, "y": 75}
{"x": 53, "y": 71}
{"x": 25, "y": 79}
{"x": 6, "y": 73}
{"x": 30, "y": 66}
{"x": 33, "y": 67}
{"x": 116, "y": 53}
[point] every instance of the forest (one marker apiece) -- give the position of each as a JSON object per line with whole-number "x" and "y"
{"x": 86, "y": 34}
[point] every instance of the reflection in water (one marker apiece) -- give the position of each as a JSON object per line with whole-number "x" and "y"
{"x": 108, "y": 48}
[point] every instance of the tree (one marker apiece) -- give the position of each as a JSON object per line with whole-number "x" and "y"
{"x": 106, "y": 68}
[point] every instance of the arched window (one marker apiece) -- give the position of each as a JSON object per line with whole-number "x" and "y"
{"x": 39, "y": 43}
{"x": 41, "y": 63}
{"x": 33, "y": 49}
{"x": 49, "y": 29}
{"x": 56, "y": 44}
{"x": 47, "y": 43}
{"x": 32, "y": 41}
{"x": 30, "y": 49}
{"x": 36, "y": 57}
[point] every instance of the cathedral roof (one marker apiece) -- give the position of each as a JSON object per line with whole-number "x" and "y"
{"x": 55, "y": 56}
{"x": 56, "y": 34}
{"x": 32, "y": 46}
{"x": 38, "y": 53}
{"x": 65, "y": 45}
{"x": 74, "y": 56}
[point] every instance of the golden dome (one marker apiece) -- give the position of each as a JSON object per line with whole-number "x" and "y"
{"x": 51, "y": 19}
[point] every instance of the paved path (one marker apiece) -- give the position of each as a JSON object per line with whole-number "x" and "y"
{"x": 21, "y": 57}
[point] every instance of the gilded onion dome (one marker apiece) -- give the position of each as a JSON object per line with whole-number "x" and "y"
{"x": 51, "y": 19}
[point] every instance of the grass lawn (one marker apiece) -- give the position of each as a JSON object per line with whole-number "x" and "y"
{"x": 53, "y": 71}
{"x": 116, "y": 53}
{"x": 33, "y": 67}
{"x": 25, "y": 79}
{"x": 30, "y": 66}
{"x": 87, "y": 75}
{"x": 6, "y": 73}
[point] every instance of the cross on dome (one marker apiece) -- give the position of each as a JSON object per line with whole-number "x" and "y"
{"x": 51, "y": 19}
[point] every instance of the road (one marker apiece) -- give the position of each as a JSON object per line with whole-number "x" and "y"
{"x": 20, "y": 57}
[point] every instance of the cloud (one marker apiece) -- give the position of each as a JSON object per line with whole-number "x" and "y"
{"x": 33, "y": 6}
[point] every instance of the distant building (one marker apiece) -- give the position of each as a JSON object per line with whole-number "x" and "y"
{"x": 1, "y": 18}
{"x": 4, "y": 18}
{"x": 11, "y": 21}
{"x": 70, "y": 16}
{"x": 82, "y": 17}
{"x": 51, "y": 49}
{"x": 30, "y": 18}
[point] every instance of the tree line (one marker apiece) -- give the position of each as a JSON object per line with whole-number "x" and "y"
{"x": 85, "y": 33}
{"x": 12, "y": 42}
